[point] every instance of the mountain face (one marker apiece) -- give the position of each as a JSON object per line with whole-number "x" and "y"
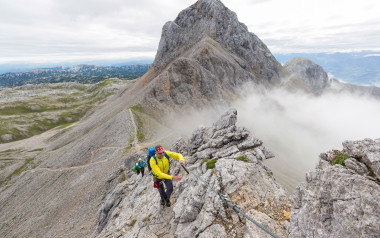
{"x": 210, "y": 18}
{"x": 205, "y": 55}
{"x": 316, "y": 77}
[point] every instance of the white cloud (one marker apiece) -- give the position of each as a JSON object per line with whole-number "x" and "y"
{"x": 37, "y": 29}
{"x": 376, "y": 84}
{"x": 297, "y": 127}
{"x": 44, "y": 29}
{"x": 372, "y": 55}
{"x": 312, "y": 26}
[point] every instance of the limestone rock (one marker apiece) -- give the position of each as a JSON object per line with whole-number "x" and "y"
{"x": 180, "y": 146}
{"x": 356, "y": 166}
{"x": 215, "y": 230}
{"x": 340, "y": 201}
{"x": 6, "y": 137}
{"x": 133, "y": 210}
{"x": 366, "y": 151}
{"x": 224, "y": 140}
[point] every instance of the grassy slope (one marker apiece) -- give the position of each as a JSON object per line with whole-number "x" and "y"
{"x": 35, "y": 114}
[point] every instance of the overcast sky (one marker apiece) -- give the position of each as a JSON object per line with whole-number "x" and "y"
{"x": 38, "y": 31}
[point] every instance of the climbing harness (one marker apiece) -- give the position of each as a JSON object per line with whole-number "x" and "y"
{"x": 226, "y": 201}
{"x": 156, "y": 184}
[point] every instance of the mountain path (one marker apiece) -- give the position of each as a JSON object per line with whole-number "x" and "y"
{"x": 79, "y": 166}
{"x": 137, "y": 146}
{"x": 93, "y": 154}
{"x": 135, "y": 140}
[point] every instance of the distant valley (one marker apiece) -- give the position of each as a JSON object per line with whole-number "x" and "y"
{"x": 86, "y": 74}
{"x": 361, "y": 68}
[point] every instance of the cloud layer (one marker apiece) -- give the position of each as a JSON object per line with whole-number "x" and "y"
{"x": 47, "y": 30}
{"x": 297, "y": 127}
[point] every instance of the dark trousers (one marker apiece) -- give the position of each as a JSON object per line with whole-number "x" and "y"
{"x": 169, "y": 189}
{"x": 141, "y": 170}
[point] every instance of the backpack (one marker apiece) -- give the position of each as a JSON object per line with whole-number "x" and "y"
{"x": 152, "y": 154}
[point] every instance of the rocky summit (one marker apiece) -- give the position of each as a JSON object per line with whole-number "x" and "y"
{"x": 231, "y": 161}
{"x": 205, "y": 56}
{"x": 210, "y": 18}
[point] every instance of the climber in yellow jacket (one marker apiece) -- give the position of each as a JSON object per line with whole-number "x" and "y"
{"x": 161, "y": 172}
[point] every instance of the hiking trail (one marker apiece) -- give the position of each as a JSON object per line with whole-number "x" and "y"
{"x": 135, "y": 140}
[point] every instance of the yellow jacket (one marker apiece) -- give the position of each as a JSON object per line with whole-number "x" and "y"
{"x": 161, "y": 169}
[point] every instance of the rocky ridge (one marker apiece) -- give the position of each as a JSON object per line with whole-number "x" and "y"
{"x": 341, "y": 199}
{"x": 133, "y": 209}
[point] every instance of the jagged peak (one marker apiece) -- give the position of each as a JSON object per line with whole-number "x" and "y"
{"x": 209, "y": 18}
{"x": 208, "y": 40}
{"x": 205, "y": 9}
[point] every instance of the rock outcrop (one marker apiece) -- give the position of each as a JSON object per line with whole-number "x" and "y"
{"x": 341, "y": 198}
{"x": 310, "y": 72}
{"x": 196, "y": 210}
{"x": 316, "y": 77}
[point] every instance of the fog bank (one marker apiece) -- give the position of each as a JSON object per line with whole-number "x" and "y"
{"x": 297, "y": 127}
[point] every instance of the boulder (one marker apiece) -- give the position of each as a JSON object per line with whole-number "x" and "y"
{"x": 340, "y": 200}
